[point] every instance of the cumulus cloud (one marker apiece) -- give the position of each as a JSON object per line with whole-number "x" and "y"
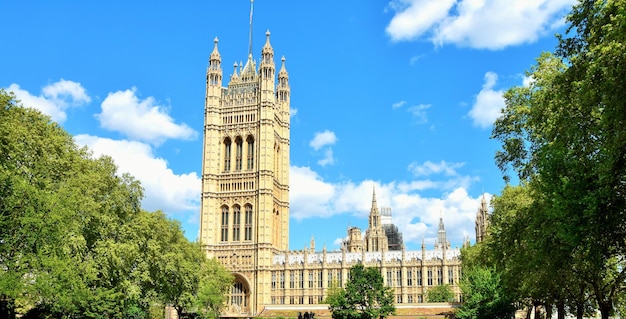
{"x": 164, "y": 189}
{"x": 55, "y": 98}
{"x": 321, "y": 139}
{"x": 428, "y": 168}
{"x": 488, "y": 104}
{"x": 416, "y": 216}
{"x": 309, "y": 195}
{"x": 328, "y": 158}
{"x": 412, "y": 18}
{"x": 142, "y": 120}
{"x": 488, "y": 24}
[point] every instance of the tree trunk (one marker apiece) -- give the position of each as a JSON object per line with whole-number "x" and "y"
{"x": 548, "y": 311}
{"x": 560, "y": 310}
{"x": 605, "y": 310}
{"x": 580, "y": 309}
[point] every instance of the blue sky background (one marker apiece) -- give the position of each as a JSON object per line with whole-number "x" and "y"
{"x": 399, "y": 95}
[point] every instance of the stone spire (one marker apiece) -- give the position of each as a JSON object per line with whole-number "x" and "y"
{"x": 442, "y": 241}
{"x": 482, "y": 220}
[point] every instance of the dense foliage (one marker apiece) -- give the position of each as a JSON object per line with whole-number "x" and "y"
{"x": 441, "y": 293}
{"x": 74, "y": 241}
{"x": 558, "y": 240}
{"x": 364, "y": 297}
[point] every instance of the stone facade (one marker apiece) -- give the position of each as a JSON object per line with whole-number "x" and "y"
{"x": 244, "y": 219}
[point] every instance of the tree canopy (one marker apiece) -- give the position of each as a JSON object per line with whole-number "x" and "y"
{"x": 441, "y": 293}
{"x": 561, "y": 235}
{"x": 364, "y": 297}
{"x": 74, "y": 240}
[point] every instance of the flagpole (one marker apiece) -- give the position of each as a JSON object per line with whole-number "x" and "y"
{"x": 250, "y": 40}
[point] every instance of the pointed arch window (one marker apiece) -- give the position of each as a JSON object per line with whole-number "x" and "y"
{"x": 250, "y": 153}
{"x": 238, "y": 153}
{"x": 239, "y": 295}
{"x": 224, "y": 234}
{"x": 248, "y": 223}
{"x": 236, "y": 222}
{"x": 227, "y": 143}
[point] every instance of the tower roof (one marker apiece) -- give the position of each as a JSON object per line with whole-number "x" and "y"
{"x": 215, "y": 55}
{"x": 283, "y": 70}
{"x": 267, "y": 47}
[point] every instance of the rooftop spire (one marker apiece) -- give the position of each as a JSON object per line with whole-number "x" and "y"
{"x": 374, "y": 204}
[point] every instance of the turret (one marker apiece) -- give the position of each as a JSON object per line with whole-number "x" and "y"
{"x": 214, "y": 73}
{"x": 267, "y": 70}
{"x": 283, "y": 92}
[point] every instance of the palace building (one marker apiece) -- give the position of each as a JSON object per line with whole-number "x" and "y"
{"x": 245, "y": 205}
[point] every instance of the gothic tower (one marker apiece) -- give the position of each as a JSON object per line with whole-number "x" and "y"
{"x": 482, "y": 220}
{"x": 244, "y": 217}
{"x": 375, "y": 238}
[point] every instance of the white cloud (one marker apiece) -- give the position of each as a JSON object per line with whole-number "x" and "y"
{"x": 55, "y": 98}
{"x": 416, "y": 216}
{"x": 309, "y": 195}
{"x": 428, "y": 168}
{"x": 64, "y": 90}
{"x": 398, "y": 104}
{"x": 328, "y": 158}
{"x": 322, "y": 139}
{"x": 415, "y": 17}
{"x": 141, "y": 120}
{"x": 488, "y": 24}
{"x": 488, "y": 104}
{"x": 527, "y": 81}
{"x": 164, "y": 189}
{"x": 293, "y": 112}
{"x": 419, "y": 112}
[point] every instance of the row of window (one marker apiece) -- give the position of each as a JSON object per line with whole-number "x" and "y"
{"x": 237, "y": 186}
{"x": 231, "y": 223}
{"x": 334, "y": 276}
{"x": 242, "y": 118}
{"x": 299, "y": 300}
{"x": 239, "y": 156}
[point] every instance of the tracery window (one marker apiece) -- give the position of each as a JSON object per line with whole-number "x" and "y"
{"x": 250, "y": 153}
{"x": 236, "y": 222}
{"x": 227, "y": 143}
{"x": 224, "y": 236}
{"x": 248, "y": 221}
{"x": 238, "y": 153}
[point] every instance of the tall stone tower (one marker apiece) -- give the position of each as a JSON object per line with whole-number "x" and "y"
{"x": 244, "y": 217}
{"x": 482, "y": 220}
{"x": 375, "y": 237}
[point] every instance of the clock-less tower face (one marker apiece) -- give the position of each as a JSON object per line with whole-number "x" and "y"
{"x": 245, "y": 173}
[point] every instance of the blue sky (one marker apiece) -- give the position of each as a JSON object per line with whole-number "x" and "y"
{"x": 398, "y": 95}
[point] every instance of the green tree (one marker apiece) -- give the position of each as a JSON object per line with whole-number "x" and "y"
{"x": 213, "y": 288}
{"x": 564, "y": 135}
{"x": 441, "y": 293}
{"x": 74, "y": 241}
{"x": 484, "y": 295}
{"x": 364, "y": 297}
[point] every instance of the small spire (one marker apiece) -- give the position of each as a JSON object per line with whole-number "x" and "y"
{"x": 215, "y": 54}
{"x": 374, "y": 204}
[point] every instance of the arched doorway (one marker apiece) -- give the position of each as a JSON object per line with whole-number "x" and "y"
{"x": 239, "y": 296}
